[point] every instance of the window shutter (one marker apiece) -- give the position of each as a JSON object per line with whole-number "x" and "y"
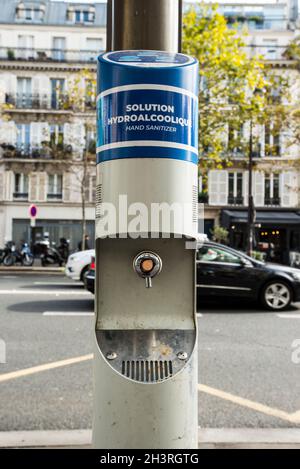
{"x": 68, "y": 134}
{"x": 8, "y": 132}
{"x": 42, "y": 187}
{"x": 1, "y": 185}
{"x": 289, "y": 189}
{"x": 245, "y": 187}
{"x": 200, "y": 184}
{"x": 35, "y": 134}
{"x": 8, "y": 185}
{"x": 44, "y": 132}
{"x": 258, "y": 188}
{"x": 79, "y": 135}
{"x": 67, "y": 182}
{"x": 33, "y": 187}
{"x": 218, "y": 187}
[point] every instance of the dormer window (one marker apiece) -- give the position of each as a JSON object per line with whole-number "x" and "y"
{"x": 84, "y": 16}
{"x": 79, "y": 15}
{"x": 27, "y": 11}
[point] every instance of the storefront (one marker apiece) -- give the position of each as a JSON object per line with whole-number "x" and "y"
{"x": 276, "y": 232}
{"x": 54, "y": 229}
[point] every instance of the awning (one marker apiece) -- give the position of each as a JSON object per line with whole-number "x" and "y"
{"x": 280, "y": 217}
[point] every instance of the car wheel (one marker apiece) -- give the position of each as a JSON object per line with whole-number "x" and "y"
{"x": 276, "y": 295}
{"x": 83, "y": 272}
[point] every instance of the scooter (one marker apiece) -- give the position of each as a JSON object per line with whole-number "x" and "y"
{"x": 13, "y": 255}
{"x": 50, "y": 255}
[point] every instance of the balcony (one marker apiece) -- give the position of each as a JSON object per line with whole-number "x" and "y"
{"x": 48, "y": 55}
{"x": 235, "y": 200}
{"x": 272, "y": 201}
{"x": 45, "y": 151}
{"x": 20, "y": 195}
{"x": 54, "y": 101}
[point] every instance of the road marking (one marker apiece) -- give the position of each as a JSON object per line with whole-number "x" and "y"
{"x": 9, "y": 276}
{"x": 57, "y": 283}
{"x": 199, "y": 315}
{"x": 66, "y": 313}
{"x": 44, "y": 367}
{"x": 44, "y": 292}
{"x": 288, "y": 316}
{"x": 252, "y": 405}
{"x": 255, "y": 406}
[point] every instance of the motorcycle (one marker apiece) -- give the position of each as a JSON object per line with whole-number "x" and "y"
{"x": 4, "y": 252}
{"x": 49, "y": 254}
{"x": 13, "y": 255}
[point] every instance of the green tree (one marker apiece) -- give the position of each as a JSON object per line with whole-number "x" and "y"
{"x": 80, "y": 99}
{"x": 229, "y": 79}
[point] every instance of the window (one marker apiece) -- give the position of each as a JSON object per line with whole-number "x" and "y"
{"x": 235, "y": 140}
{"x": 57, "y": 92}
{"x": 21, "y": 186}
{"x": 29, "y": 13}
{"x": 213, "y": 254}
{"x": 272, "y": 189}
{"x": 90, "y": 94}
{"x": 23, "y": 139}
{"x": 93, "y": 47}
{"x": 235, "y": 188}
{"x": 56, "y": 135}
{"x": 24, "y": 96}
{"x": 272, "y": 140}
{"x": 59, "y": 46}
{"x": 25, "y": 47}
{"x": 90, "y": 191}
{"x": 54, "y": 187}
{"x": 270, "y": 48}
{"x": 84, "y": 16}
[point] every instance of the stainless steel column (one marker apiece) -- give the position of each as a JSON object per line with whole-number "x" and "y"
{"x": 144, "y": 24}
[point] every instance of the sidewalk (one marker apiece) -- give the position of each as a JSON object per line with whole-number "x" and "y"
{"x": 36, "y": 268}
{"x": 209, "y": 438}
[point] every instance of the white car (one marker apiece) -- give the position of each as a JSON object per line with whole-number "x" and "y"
{"x": 78, "y": 264}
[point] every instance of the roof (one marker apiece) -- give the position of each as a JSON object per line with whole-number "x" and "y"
{"x": 55, "y": 12}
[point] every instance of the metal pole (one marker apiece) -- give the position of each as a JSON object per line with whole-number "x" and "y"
{"x": 144, "y": 24}
{"x": 250, "y": 194}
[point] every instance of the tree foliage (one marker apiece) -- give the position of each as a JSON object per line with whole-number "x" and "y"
{"x": 234, "y": 88}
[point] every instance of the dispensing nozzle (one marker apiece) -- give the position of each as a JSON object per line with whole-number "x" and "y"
{"x": 147, "y": 265}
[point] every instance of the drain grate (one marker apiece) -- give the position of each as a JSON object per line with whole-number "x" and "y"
{"x": 147, "y": 371}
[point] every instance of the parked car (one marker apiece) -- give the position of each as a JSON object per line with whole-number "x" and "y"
{"x": 225, "y": 272}
{"x": 89, "y": 277}
{"x": 78, "y": 264}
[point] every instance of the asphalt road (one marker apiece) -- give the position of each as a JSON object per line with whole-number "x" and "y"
{"x": 246, "y": 374}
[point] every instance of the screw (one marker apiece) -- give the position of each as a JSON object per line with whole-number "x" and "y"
{"x": 111, "y": 355}
{"x": 182, "y": 355}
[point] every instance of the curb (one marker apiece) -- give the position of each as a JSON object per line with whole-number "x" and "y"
{"x": 40, "y": 270}
{"x": 208, "y": 438}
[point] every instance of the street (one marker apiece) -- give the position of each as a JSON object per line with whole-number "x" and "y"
{"x": 246, "y": 374}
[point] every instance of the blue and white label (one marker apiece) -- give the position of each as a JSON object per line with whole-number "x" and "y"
{"x": 147, "y": 121}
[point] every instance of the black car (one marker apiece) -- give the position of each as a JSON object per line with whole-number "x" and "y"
{"x": 225, "y": 272}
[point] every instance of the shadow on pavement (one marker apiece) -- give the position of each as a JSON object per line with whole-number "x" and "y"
{"x": 234, "y": 306}
{"x": 66, "y": 305}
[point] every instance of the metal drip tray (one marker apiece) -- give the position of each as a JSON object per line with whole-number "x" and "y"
{"x": 147, "y": 356}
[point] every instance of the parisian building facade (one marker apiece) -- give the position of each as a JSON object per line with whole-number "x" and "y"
{"x": 47, "y": 140}
{"x": 44, "y": 135}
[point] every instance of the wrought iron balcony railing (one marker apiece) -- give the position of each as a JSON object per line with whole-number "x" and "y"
{"x": 48, "y": 55}
{"x": 235, "y": 200}
{"x": 30, "y": 151}
{"x": 55, "y": 101}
